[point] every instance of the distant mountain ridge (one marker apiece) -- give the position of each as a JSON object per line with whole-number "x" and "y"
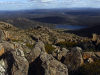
{"x": 50, "y": 17}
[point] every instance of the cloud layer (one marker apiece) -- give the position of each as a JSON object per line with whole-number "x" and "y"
{"x": 34, "y": 4}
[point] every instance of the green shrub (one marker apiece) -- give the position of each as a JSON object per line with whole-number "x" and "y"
{"x": 49, "y": 49}
{"x": 87, "y": 46}
{"x": 15, "y": 40}
{"x": 30, "y": 46}
{"x": 67, "y": 44}
{"x": 52, "y": 39}
{"x": 88, "y": 69}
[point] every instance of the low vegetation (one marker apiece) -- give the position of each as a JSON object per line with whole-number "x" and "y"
{"x": 49, "y": 48}
{"x": 30, "y": 46}
{"x": 88, "y": 69}
{"x": 15, "y": 40}
{"x": 67, "y": 44}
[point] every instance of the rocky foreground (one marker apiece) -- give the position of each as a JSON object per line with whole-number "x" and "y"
{"x": 44, "y": 51}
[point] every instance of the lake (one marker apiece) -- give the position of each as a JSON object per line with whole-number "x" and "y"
{"x": 70, "y": 27}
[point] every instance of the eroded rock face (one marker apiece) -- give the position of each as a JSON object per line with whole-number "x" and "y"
{"x": 74, "y": 59}
{"x": 52, "y": 66}
{"x": 20, "y": 65}
{"x": 12, "y": 61}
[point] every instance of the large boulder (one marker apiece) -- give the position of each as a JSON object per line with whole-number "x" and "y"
{"x": 74, "y": 58}
{"x": 52, "y": 66}
{"x": 96, "y": 38}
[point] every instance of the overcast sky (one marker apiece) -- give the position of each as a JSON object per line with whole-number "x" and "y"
{"x": 40, "y": 4}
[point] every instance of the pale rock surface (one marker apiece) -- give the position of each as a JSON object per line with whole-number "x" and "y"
{"x": 52, "y": 66}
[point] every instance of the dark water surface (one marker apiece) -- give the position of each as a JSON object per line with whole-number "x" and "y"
{"x": 71, "y": 27}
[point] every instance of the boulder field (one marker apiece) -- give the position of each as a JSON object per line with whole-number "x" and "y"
{"x": 43, "y": 51}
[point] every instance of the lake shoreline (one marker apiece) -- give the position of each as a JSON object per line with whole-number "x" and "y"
{"x": 70, "y": 27}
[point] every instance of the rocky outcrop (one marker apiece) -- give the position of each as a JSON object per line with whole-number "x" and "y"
{"x": 12, "y": 59}
{"x": 45, "y": 62}
{"x": 89, "y": 57}
{"x": 22, "y": 52}
{"x": 52, "y": 66}
{"x": 59, "y": 53}
{"x": 4, "y": 25}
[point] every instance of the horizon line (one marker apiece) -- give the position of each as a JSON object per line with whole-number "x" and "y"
{"x": 49, "y": 8}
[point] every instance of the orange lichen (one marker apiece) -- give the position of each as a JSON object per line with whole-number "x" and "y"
{"x": 1, "y": 51}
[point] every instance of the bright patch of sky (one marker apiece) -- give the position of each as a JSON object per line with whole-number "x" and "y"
{"x": 42, "y": 4}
